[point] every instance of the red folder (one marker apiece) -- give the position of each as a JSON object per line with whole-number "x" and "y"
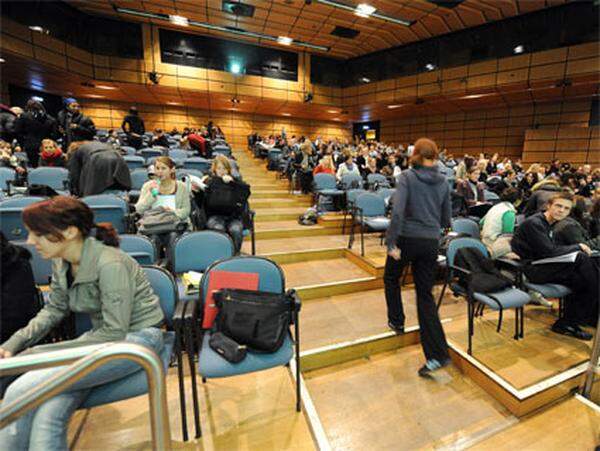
{"x": 225, "y": 279}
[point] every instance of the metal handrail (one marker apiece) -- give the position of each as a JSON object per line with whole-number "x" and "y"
{"x": 83, "y": 361}
{"x": 594, "y": 361}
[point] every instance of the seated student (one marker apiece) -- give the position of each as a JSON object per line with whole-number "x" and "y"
{"x": 325, "y": 165}
{"x": 8, "y": 160}
{"x": 471, "y": 189}
{"x": 370, "y": 168}
{"x": 167, "y": 192}
{"x": 91, "y": 275}
{"x": 231, "y": 224}
{"x": 575, "y": 228}
{"x": 595, "y": 216}
{"x": 532, "y": 240}
{"x": 541, "y": 193}
{"x": 51, "y": 154}
{"x": 347, "y": 167}
{"x": 498, "y": 224}
{"x": 19, "y": 302}
{"x": 160, "y": 139}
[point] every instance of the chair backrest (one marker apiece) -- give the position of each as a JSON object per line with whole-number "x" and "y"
{"x": 50, "y": 176}
{"x": 324, "y": 181}
{"x": 377, "y": 178}
{"x": 466, "y": 226}
{"x": 179, "y": 154}
{"x": 140, "y": 247}
{"x": 134, "y": 161}
{"x": 42, "y": 267}
{"x": 11, "y": 220}
{"x": 352, "y": 194}
{"x": 149, "y": 152}
{"x": 129, "y": 151}
{"x": 458, "y": 243}
{"x": 270, "y": 275}
{"x": 196, "y": 251}
{"x": 201, "y": 164}
{"x": 350, "y": 180}
{"x": 138, "y": 178}
{"x": 165, "y": 288}
{"x": 6, "y": 174}
{"x": 181, "y": 173}
{"x": 370, "y": 204}
{"x": 108, "y": 208}
{"x": 490, "y": 196}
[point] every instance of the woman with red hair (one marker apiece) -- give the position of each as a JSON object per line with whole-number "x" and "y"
{"x": 90, "y": 276}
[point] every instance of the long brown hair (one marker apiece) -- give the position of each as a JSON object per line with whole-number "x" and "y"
{"x": 425, "y": 149}
{"x": 50, "y": 217}
{"x": 168, "y": 162}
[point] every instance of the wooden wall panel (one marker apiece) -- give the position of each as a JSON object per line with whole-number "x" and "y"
{"x": 501, "y": 130}
{"x": 236, "y": 126}
{"x": 577, "y": 145}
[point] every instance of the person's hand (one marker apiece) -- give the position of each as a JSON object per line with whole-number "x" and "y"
{"x": 4, "y": 354}
{"x": 227, "y": 178}
{"x": 74, "y": 126}
{"x": 585, "y": 248}
{"x": 20, "y": 170}
{"x": 394, "y": 253}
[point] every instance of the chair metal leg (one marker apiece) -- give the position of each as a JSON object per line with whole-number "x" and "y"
{"x": 178, "y": 353}
{"x": 517, "y": 324}
{"x": 362, "y": 240}
{"x": 189, "y": 341}
{"x": 203, "y": 380}
{"x": 298, "y": 388}
{"x": 522, "y": 315}
{"x": 470, "y": 313}
{"x": 499, "y": 320}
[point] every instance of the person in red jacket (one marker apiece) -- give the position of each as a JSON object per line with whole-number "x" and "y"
{"x": 198, "y": 142}
{"x": 51, "y": 154}
{"x": 325, "y": 165}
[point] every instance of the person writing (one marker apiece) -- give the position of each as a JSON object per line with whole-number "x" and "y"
{"x": 90, "y": 276}
{"x": 421, "y": 209}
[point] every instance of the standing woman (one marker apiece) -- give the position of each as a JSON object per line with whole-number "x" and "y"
{"x": 421, "y": 209}
{"x": 90, "y": 275}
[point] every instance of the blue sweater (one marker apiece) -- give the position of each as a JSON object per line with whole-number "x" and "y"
{"x": 421, "y": 205}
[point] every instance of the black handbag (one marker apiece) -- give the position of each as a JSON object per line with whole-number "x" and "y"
{"x": 227, "y": 199}
{"x": 257, "y": 319}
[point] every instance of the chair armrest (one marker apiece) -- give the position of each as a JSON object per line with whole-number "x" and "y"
{"x": 464, "y": 271}
{"x": 179, "y": 313}
{"x": 510, "y": 264}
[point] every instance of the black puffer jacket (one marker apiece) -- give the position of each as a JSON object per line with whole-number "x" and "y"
{"x": 32, "y": 127}
{"x": 7, "y": 123}
{"x": 19, "y": 300}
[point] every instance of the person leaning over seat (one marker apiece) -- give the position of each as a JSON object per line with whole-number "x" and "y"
{"x": 166, "y": 192}
{"x": 90, "y": 276}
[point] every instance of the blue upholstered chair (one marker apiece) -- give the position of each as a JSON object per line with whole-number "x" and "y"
{"x": 466, "y": 226}
{"x": 42, "y": 267}
{"x": 129, "y": 151}
{"x": 149, "y": 152}
{"x": 55, "y": 178}
{"x": 377, "y": 179}
{"x": 110, "y": 208}
{"x": 140, "y": 247}
{"x": 6, "y": 175}
{"x": 351, "y": 196}
{"x": 509, "y": 298}
{"x": 351, "y": 181}
{"x": 179, "y": 156}
{"x": 212, "y": 365}
{"x": 221, "y": 149}
{"x": 134, "y": 162}
{"x": 11, "y": 221}
{"x": 369, "y": 213}
{"x": 198, "y": 163}
{"x": 325, "y": 185}
{"x": 138, "y": 178}
{"x": 136, "y": 384}
{"x": 196, "y": 251}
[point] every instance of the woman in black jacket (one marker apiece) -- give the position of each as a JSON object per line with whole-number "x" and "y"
{"x": 33, "y": 126}
{"x": 421, "y": 209}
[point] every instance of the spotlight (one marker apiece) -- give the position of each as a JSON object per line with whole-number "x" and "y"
{"x": 518, "y": 49}
{"x": 235, "y": 67}
{"x": 154, "y": 77}
{"x": 37, "y": 98}
{"x": 429, "y": 66}
{"x": 179, "y": 20}
{"x": 235, "y": 100}
{"x": 364, "y": 10}
{"x": 284, "y": 40}
{"x": 365, "y": 80}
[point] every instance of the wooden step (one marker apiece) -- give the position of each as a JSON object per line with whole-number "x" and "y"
{"x": 300, "y": 231}
{"x": 275, "y": 194}
{"x": 293, "y": 202}
{"x": 278, "y": 214}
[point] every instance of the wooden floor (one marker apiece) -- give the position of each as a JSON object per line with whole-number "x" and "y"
{"x": 265, "y": 247}
{"x": 249, "y": 412}
{"x": 381, "y": 403}
{"x": 321, "y": 271}
{"x": 568, "y": 425}
{"x": 538, "y": 356}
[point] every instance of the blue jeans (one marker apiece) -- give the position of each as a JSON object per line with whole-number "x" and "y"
{"x": 45, "y": 428}
{"x": 232, "y": 226}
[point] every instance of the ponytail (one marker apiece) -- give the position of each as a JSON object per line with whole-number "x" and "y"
{"x": 105, "y": 232}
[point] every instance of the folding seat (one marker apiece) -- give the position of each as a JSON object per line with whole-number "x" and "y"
{"x": 351, "y": 196}
{"x": 138, "y": 178}
{"x": 377, "y": 180}
{"x": 325, "y": 185}
{"x": 369, "y": 213}
{"x": 11, "y": 211}
{"x": 140, "y": 247}
{"x": 134, "y": 162}
{"x": 210, "y": 363}
{"x": 55, "y": 178}
{"x": 196, "y": 251}
{"x": 508, "y": 298}
{"x": 149, "y": 152}
{"x": 179, "y": 156}
{"x": 112, "y": 209}
{"x": 351, "y": 181}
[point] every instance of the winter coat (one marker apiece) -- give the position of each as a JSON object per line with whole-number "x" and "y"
{"x": 7, "y": 124}
{"x": 32, "y": 128}
{"x": 84, "y": 131}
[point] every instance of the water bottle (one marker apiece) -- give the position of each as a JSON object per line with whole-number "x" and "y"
{"x": 154, "y": 190}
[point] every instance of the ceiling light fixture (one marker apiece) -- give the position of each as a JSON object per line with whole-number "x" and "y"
{"x": 106, "y": 87}
{"x": 37, "y": 28}
{"x": 284, "y": 40}
{"x": 179, "y": 20}
{"x": 393, "y": 107}
{"x": 37, "y": 98}
{"x": 223, "y": 29}
{"x": 95, "y": 96}
{"x": 364, "y": 10}
{"x": 476, "y": 96}
{"x": 518, "y": 49}
{"x": 333, "y": 111}
{"x": 173, "y": 103}
{"x": 374, "y": 13}
{"x": 365, "y": 80}
{"x": 429, "y": 66}
{"x": 2, "y": 60}
{"x": 285, "y": 114}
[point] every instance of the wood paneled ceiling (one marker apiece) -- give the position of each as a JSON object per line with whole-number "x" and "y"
{"x": 57, "y": 81}
{"x": 314, "y": 22}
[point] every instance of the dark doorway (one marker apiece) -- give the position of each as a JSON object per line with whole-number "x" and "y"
{"x": 366, "y": 130}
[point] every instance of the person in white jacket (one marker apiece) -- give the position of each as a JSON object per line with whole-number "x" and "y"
{"x": 347, "y": 167}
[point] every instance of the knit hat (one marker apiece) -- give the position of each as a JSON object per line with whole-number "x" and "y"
{"x": 69, "y": 100}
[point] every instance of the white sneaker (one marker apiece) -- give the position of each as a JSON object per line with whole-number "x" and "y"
{"x": 538, "y": 299}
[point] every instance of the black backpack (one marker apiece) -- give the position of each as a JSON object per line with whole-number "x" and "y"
{"x": 485, "y": 277}
{"x": 227, "y": 199}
